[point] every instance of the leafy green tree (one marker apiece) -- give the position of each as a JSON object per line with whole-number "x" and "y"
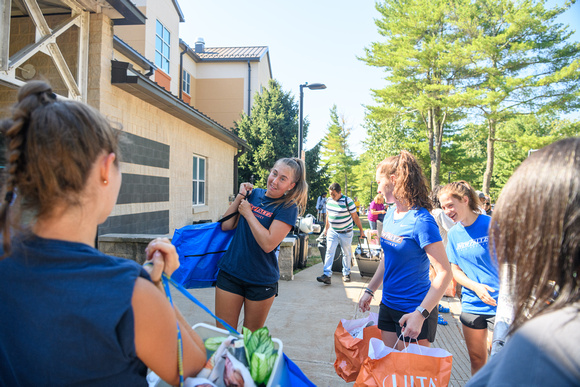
{"x": 363, "y": 181}
{"x": 316, "y": 176}
{"x": 271, "y": 132}
{"x": 335, "y": 151}
{"x": 524, "y": 62}
{"x": 424, "y": 59}
{"x": 522, "y": 136}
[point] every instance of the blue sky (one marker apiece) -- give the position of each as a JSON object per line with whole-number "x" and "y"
{"x": 309, "y": 41}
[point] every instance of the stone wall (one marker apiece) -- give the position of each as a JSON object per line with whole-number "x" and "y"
{"x": 132, "y": 246}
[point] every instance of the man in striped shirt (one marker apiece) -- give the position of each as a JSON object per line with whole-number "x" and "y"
{"x": 340, "y": 216}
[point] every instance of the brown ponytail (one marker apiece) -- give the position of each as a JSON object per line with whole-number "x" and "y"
{"x": 410, "y": 184}
{"x": 51, "y": 147}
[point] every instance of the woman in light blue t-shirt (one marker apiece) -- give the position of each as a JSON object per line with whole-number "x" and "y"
{"x": 473, "y": 268}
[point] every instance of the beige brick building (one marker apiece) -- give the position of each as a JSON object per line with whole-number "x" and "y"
{"x": 176, "y": 105}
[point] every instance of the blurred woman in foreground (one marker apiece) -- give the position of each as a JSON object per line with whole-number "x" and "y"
{"x": 535, "y": 229}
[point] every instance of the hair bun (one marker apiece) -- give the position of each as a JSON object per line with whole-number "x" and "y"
{"x": 41, "y": 89}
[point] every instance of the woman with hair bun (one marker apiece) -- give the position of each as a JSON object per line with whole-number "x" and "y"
{"x": 411, "y": 242}
{"x": 473, "y": 268}
{"x": 72, "y": 315}
{"x": 249, "y": 272}
{"x": 535, "y": 233}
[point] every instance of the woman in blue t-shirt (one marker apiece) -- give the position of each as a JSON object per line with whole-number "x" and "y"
{"x": 249, "y": 270}
{"x": 71, "y": 315}
{"x": 411, "y": 241}
{"x": 473, "y": 268}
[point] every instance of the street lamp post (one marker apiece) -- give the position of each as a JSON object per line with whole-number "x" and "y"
{"x": 313, "y": 86}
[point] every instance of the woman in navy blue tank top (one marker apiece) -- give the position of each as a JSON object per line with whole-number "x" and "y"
{"x": 77, "y": 316}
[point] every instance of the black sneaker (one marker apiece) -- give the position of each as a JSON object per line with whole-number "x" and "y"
{"x": 346, "y": 278}
{"x": 324, "y": 279}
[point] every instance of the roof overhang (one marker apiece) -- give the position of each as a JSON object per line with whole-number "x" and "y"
{"x": 132, "y": 54}
{"x": 126, "y": 78}
{"x": 129, "y": 11}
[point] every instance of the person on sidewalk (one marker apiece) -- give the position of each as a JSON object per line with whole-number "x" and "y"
{"x": 249, "y": 272}
{"x": 444, "y": 223}
{"x": 535, "y": 233}
{"x": 376, "y": 211}
{"x": 410, "y": 241}
{"x": 341, "y": 214}
{"x": 321, "y": 208}
{"x": 71, "y": 315}
{"x": 473, "y": 268}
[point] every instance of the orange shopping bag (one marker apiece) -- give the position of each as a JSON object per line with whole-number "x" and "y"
{"x": 414, "y": 366}
{"x": 351, "y": 344}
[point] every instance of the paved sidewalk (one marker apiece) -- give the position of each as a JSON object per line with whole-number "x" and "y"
{"x": 306, "y": 313}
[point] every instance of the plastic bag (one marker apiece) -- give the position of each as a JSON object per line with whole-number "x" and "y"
{"x": 200, "y": 246}
{"x": 227, "y": 366}
{"x": 351, "y": 344}
{"x": 414, "y": 366}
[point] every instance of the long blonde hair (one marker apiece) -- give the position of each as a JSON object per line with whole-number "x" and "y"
{"x": 299, "y": 194}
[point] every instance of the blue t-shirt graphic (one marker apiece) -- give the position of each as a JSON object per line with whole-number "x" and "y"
{"x": 467, "y": 247}
{"x": 245, "y": 259}
{"x": 406, "y": 279}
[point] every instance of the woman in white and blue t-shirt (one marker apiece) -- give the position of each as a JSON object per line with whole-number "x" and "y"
{"x": 473, "y": 268}
{"x": 411, "y": 241}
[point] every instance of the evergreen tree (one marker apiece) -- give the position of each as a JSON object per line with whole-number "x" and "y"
{"x": 271, "y": 132}
{"x": 335, "y": 150}
{"x": 424, "y": 59}
{"x": 524, "y": 63}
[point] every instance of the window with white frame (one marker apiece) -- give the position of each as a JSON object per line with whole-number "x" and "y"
{"x": 162, "y": 45}
{"x": 198, "y": 180}
{"x": 186, "y": 84}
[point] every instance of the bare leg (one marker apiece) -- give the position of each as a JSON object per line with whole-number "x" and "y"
{"x": 256, "y": 312}
{"x": 228, "y": 307}
{"x": 476, "y": 341}
{"x": 390, "y": 338}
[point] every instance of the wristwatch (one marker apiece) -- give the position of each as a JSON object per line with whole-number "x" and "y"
{"x": 424, "y": 312}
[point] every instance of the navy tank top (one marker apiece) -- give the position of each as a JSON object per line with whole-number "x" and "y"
{"x": 66, "y": 316}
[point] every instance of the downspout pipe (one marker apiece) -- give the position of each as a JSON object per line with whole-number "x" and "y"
{"x": 249, "y": 87}
{"x": 181, "y": 70}
{"x": 241, "y": 151}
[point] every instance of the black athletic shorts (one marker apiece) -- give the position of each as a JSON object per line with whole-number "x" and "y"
{"x": 478, "y": 321}
{"x": 389, "y": 322}
{"x": 252, "y": 292}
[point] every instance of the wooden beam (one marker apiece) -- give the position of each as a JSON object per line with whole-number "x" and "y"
{"x": 64, "y": 71}
{"x": 83, "y": 60}
{"x": 5, "y": 6}
{"x": 27, "y": 52}
{"x": 37, "y": 17}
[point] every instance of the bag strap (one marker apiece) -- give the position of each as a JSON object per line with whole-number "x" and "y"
{"x": 229, "y": 216}
{"x": 179, "y": 341}
{"x": 166, "y": 280}
{"x": 200, "y": 304}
